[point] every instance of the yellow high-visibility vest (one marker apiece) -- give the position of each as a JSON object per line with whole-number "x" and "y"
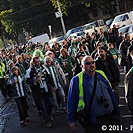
{"x": 81, "y": 103}
{"x": 2, "y": 70}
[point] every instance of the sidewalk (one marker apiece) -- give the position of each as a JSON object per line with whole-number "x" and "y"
{"x": 6, "y": 110}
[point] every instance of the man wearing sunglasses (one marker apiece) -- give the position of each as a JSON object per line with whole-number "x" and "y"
{"x": 91, "y": 90}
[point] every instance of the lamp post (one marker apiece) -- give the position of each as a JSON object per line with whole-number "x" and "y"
{"x": 62, "y": 21}
{"x": 50, "y": 31}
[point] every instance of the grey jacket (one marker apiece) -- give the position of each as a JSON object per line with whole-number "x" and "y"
{"x": 59, "y": 72}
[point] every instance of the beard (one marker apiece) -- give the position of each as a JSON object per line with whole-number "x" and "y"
{"x": 101, "y": 56}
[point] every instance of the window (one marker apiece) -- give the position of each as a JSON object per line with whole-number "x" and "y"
{"x": 126, "y": 17}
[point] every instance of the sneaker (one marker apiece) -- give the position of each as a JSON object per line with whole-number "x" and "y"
{"x": 57, "y": 113}
{"x": 49, "y": 124}
{"x": 22, "y": 123}
{"x": 51, "y": 118}
{"x": 64, "y": 109}
{"x": 27, "y": 119}
{"x": 40, "y": 112}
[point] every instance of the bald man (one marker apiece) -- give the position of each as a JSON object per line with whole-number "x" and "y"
{"x": 104, "y": 106}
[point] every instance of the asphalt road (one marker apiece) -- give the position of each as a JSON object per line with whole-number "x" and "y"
{"x": 9, "y": 119}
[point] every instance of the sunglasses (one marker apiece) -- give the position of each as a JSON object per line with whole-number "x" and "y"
{"x": 89, "y": 63}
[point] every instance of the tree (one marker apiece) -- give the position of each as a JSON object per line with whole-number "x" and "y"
{"x": 27, "y": 15}
{"x": 105, "y": 5}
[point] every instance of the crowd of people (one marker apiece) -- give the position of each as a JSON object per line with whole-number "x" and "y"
{"x": 62, "y": 77}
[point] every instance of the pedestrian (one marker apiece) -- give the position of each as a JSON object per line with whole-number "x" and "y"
{"x": 107, "y": 64}
{"x": 129, "y": 58}
{"x": 115, "y": 34}
{"x": 41, "y": 84}
{"x": 19, "y": 64}
{"x": 78, "y": 67}
{"x": 19, "y": 93}
{"x": 90, "y": 90}
{"x": 123, "y": 50}
{"x": 115, "y": 53}
{"x": 2, "y": 78}
{"x": 9, "y": 86}
{"x": 58, "y": 93}
{"x": 119, "y": 39}
{"x": 129, "y": 90}
{"x": 67, "y": 64}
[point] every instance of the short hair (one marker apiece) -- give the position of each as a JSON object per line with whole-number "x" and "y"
{"x": 65, "y": 50}
{"x": 35, "y": 58}
{"x": 19, "y": 56}
{"x": 126, "y": 35}
{"x": 47, "y": 58}
{"x": 15, "y": 68}
{"x": 103, "y": 48}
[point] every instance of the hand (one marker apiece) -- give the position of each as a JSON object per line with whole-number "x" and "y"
{"x": 64, "y": 64}
{"x": 54, "y": 88}
{"x": 15, "y": 82}
{"x": 30, "y": 92}
{"x": 73, "y": 126}
{"x": 38, "y": 79}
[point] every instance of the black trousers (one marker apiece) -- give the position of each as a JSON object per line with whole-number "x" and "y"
{"x": 47, "y": 106}
{"x": 22, "y": 107}
{"x": 43, "y": 101}
{"x": 3, "y": 88}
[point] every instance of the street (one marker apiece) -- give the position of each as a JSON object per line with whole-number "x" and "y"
{"x": 9, "y": 120}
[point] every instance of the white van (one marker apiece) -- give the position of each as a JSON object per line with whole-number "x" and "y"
{"x": 123, "y": 20}
{"x": 41, "y": 39}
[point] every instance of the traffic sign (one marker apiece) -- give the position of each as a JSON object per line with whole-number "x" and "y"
{"x": 58, "y": 14}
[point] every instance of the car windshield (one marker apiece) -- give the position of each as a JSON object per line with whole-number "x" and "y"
{"x": 87, "y": 27}
{"x": 78, "y": 29}
{"x": 108, "y": 22}
{"x": 118, "y": 18}
{"x": 60, "y": 38}
{"x": 94, "y": 24}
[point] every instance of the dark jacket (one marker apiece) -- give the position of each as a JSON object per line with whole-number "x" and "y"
{"x": 15, "y": 92}
{"x": 35, "y": 87}
{"x": 123, "y": 50}
{"x": 21, "y": 67}
{"x": 129, "y": 89}
{"x": 114, "y": 70}
{"x": 26, "y": 64}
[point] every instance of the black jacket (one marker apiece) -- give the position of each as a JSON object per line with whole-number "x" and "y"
{"x": 36, "y": 87}
{"x": 112, "y": 66}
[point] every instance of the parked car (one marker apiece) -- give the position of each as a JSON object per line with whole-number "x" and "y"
{"x": 89, "y": 28}
{"x": 56, "y": 39}
{"x": 75, "y": 32}
{"x": 123, "y": 20}
{"x": 127, "y": 29}
{"x": 108, "y": 22}
{"x": 99, "y": 24}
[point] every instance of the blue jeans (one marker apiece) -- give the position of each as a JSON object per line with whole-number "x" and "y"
{"x": 61, "y": 94}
